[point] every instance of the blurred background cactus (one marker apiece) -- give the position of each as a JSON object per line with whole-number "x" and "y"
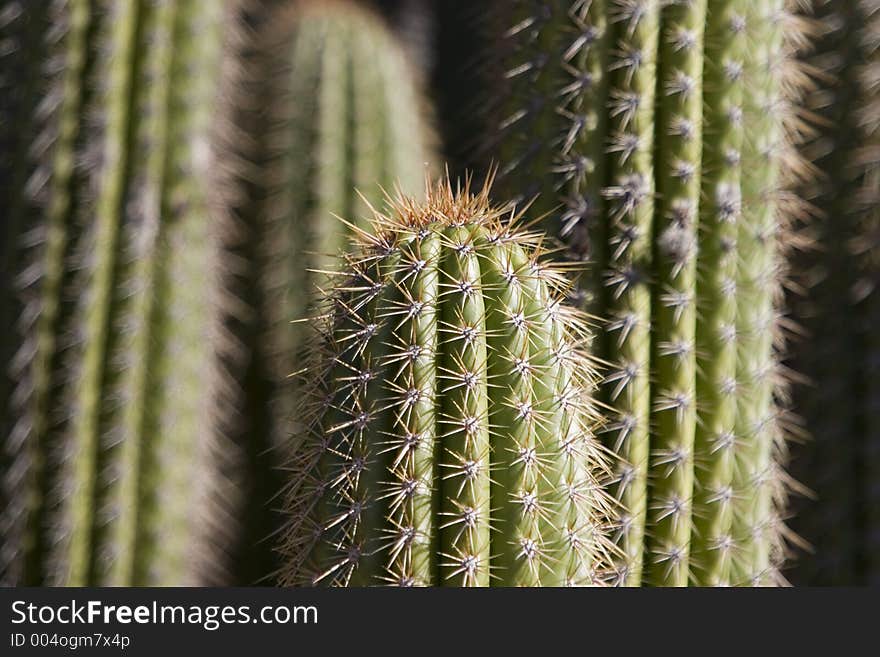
{"x": 171, "y": 175}
{"x": 344, "y": 120}
{"x": 115, "y": 466}
{"x": 837, "y": 304}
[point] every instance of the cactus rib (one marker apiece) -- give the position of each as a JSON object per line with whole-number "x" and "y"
{"x": 678, "y": 160}
{"x": 711, "y": 541}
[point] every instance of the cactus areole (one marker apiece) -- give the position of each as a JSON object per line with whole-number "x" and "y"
{"x": 448, "y": 429}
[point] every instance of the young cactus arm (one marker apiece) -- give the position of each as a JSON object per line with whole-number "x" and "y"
{"x": 711, "y": 541}
{"x": 630, "y": 212}
{"x": 482, "y": 483}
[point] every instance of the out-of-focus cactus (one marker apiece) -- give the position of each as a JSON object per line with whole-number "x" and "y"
{"x": 114, "y": 465}
{"x": 449, "y": 419}
{"x": 837, "y": 305}
{"x": 346, "y": 119}
{"x": 413, "y": 21}
{"x": 656, "y": 135}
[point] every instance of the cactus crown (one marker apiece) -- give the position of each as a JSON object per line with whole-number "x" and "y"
{"x": 447, "y": 433}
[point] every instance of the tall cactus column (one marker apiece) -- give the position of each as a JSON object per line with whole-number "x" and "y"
{"x": 115, "y": 433}
{"x": 417, "y": 465}
{"x": 627, "y": 117}
{"x": 346, "y": 120}
{"x": 720, "y": 208}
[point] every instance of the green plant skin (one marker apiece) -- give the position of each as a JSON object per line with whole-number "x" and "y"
{"x": 450, "y": 437}
{"x": 601, "y": 108}
{"x": 347, "y": 121}
{"x": 674, "y": 306}
{"x": 629, "y": 213}
{"x": 711, "y": 541}
{"x": 869, "y": 251}
{"x": 117, "y": 394}
{"x": 758, "y": 286}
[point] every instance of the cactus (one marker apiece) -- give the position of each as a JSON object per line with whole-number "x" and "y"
{"x": 115, "y": 470}
{"x": 664, "y": 180}
{"x": 21, "y": 31}
{"x": 345, "y": 119}
{"x": 838, "y": 308}
{"x": 448, "y": 428}
{"x": 413, "y": 20}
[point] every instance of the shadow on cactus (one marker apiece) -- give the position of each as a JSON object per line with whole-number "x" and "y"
{"x": 448, "y": 434}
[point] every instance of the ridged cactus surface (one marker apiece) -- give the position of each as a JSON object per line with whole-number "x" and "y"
{"x": 113, "y": 469}
{"x": 656, "y": 136}
{"x": 345, "y": 119}
{"x": 449, "y": 436}
{"x": 837, "y": 306}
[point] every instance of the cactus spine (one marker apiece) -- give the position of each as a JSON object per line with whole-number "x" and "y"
{"x": 449, "y": 439}
{"x": 113, "y": 419}
{"x": 716, "y": 299}
{"x": 346, "y": 120}
{"x": 636, "y": 108}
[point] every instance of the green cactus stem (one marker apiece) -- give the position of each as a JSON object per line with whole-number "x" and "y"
{"x": 626, "y": 117}
{"x": 759, "y": 435}
{"x": 678, "y": 160}
{"x": 346, "y": 119}
{"x": 450, "y": 424}
{"x": 117, "y": 464}
{"x": 711, "y": 542}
